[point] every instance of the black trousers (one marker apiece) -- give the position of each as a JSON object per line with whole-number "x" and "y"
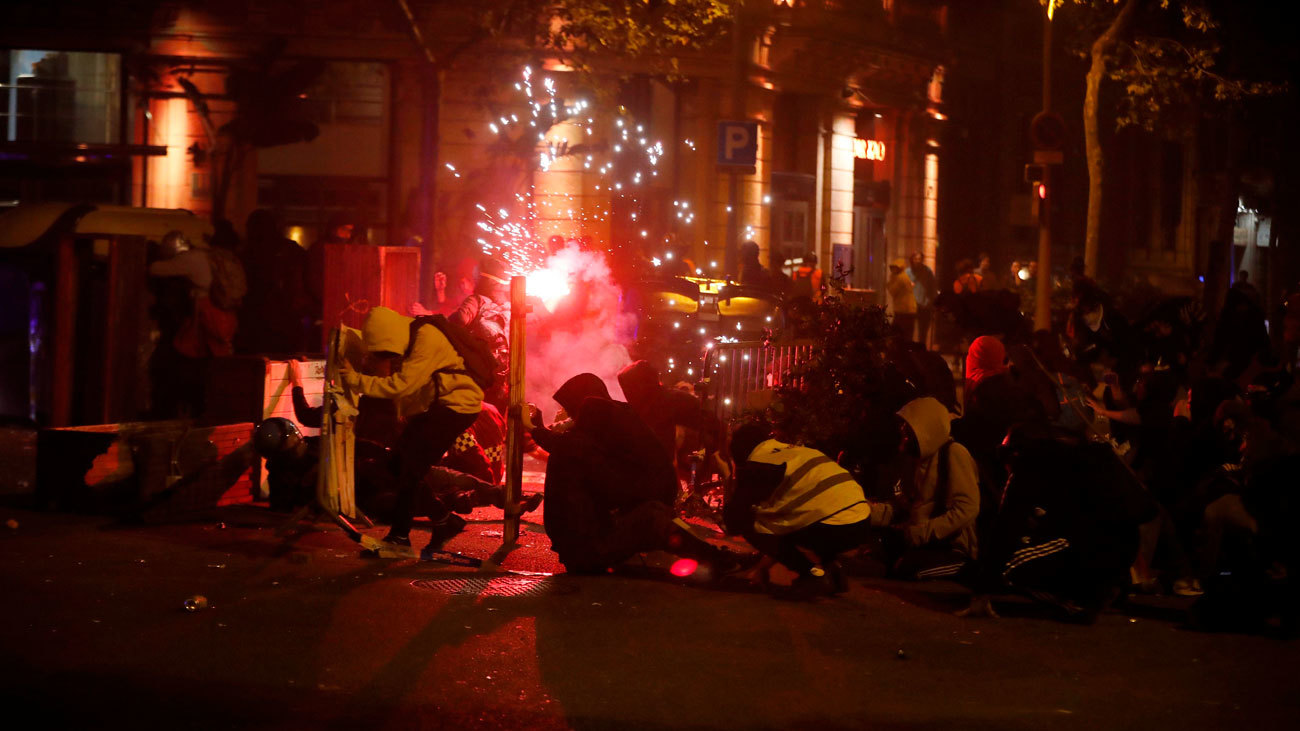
{"x": 620, "y": 536}
{"x": 924, "y": 315}
{"x": 422, "y": 444}
{"x": 826, "y": 542}
{"x": 906, "y": 324}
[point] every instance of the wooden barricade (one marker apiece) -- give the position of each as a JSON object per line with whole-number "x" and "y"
{"x": 514, "y": 414}
{"x": 381, "y": 276}
{"x": 154, "y": 470}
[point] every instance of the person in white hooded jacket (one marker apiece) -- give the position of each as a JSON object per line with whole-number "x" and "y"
{"x": 940, "y": 495}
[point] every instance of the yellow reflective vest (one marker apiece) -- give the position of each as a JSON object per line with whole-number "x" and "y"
{"x": 815, "y": 490}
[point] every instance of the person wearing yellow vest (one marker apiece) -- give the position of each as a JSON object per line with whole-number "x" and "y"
{"x": 788, "y": 499}
{"x": 435, "y": 397}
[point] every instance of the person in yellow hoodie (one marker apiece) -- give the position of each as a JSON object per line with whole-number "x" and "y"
{"x": 418, "y": 368}
{"x": 903, "y": 298}
{"x": 940, "y": 495}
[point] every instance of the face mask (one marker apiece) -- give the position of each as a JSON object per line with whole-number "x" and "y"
{"x": 1093, "y": 319}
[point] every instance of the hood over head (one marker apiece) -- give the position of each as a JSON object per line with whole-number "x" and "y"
{"x": 930, "y": 422}
{"x": 899, "y": 263}
{"x": 640, "y": 382}
{"x": 386, "y": 331}
{"x": 578, "y": 389}
{"x": 987, "y": 357}
{"x": 746, "y": 438}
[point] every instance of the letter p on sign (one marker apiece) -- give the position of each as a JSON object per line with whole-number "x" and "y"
{"x": 737, "y": 143}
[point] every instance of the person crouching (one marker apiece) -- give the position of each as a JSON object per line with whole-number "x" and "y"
{"x": 418, "y": 368}
{"x": 790, "y": 499}
{"x": 610, "y": 486}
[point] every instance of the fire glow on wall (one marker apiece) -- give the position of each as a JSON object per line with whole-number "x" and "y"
{"x": 167, "y": 188}
{"x": 868, "y": 149}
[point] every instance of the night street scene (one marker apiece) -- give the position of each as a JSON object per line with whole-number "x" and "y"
{"x": 649, "y": 364}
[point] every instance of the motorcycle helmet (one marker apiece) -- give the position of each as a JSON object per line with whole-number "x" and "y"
{"x": 275, "y": 436}
{"x": 173, "y": 243}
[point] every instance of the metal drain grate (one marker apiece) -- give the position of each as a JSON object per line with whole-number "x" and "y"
{"x": 507, "y": 586}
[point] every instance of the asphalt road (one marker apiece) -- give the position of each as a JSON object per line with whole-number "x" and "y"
{"x": 303, "y": 632}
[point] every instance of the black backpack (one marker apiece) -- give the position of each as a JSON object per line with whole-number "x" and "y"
{"x": 480, "y": 362}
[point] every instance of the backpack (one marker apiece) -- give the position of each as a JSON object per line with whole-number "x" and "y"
{"x": 480, "y": 363}
{"x": 229, "y": 284}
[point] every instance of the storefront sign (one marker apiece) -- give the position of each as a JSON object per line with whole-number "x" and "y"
{"x": 868, "y": 149}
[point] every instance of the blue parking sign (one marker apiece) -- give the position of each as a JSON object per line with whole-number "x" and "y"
{"x": 737, "y": 143}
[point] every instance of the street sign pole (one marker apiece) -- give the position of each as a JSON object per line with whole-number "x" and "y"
{"x": 733, "y": 223}
{"x": 1043, "y": 290}
{"x": 738, "y": 51}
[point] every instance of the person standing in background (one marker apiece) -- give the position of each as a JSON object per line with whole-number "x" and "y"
{"x": 924, "y": 288}
{"x": 808, "y": 279}
{"x": 902, "y": 299}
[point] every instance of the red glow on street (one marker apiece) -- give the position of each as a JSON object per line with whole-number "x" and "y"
{"x": 684, "y": 567}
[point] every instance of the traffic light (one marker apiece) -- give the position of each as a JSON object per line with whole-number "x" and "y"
{"x": 1037, "y": 177}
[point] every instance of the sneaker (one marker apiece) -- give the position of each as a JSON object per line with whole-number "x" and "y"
{"x": 399, "y": 541}
{"x": 394, "y": 544}
{"x": 462, "y": 502}
{"x": 807, "y": 587}
{"x": 532, "y": 502}
{"x": 445, "y": 529}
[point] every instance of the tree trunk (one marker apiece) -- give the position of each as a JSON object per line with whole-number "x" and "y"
{"x": 1218, "y": 271}
{"x": 1101, "y": 51}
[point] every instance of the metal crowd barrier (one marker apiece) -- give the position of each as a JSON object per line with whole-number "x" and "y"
{"x": 735, "y": 372}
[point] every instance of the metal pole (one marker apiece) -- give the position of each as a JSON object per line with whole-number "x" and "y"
{"x": 731, "y": 260}
{"x": 1043, "y": 290}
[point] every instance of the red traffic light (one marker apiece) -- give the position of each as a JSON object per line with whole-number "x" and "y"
{"x": 1041, "y": 189}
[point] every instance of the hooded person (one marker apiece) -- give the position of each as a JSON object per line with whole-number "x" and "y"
{"x": 667, "y": 411}
{"x": 986, "y": 357}
{"x": 996, "y": 400}
{"x": 902, "y": 298}
{"x": 417, "y": 367}
{"x": 485, "y": 312}
{"x": 609, "y": 485}
{"x": 940, "y": 496}
{"x": 788, "y": 499}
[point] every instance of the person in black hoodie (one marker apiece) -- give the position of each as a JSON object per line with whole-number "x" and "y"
{"x": 667, "y": 411}
{"x": 609, "y": 484}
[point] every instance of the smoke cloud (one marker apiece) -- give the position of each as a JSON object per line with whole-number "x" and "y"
{"x": 585, "y": 332}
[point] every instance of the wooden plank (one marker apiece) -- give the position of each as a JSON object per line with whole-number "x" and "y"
{"x": 335, "y": 488}
{"x": 514, "y": 414}
{"x": 358, "y": 277}
{"x": 401, "y": 278}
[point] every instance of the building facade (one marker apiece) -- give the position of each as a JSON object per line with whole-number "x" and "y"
{"x": 124, "y": 102}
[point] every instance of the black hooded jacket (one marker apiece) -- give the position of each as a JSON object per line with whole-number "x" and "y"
{"x": 608, "y": 462}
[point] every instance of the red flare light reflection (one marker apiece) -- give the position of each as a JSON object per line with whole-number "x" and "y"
{"x": 684, "y": 567}
{"x": 550, "y": 284}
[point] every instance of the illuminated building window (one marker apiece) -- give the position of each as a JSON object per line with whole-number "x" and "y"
{"x": 58, "y": 96}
